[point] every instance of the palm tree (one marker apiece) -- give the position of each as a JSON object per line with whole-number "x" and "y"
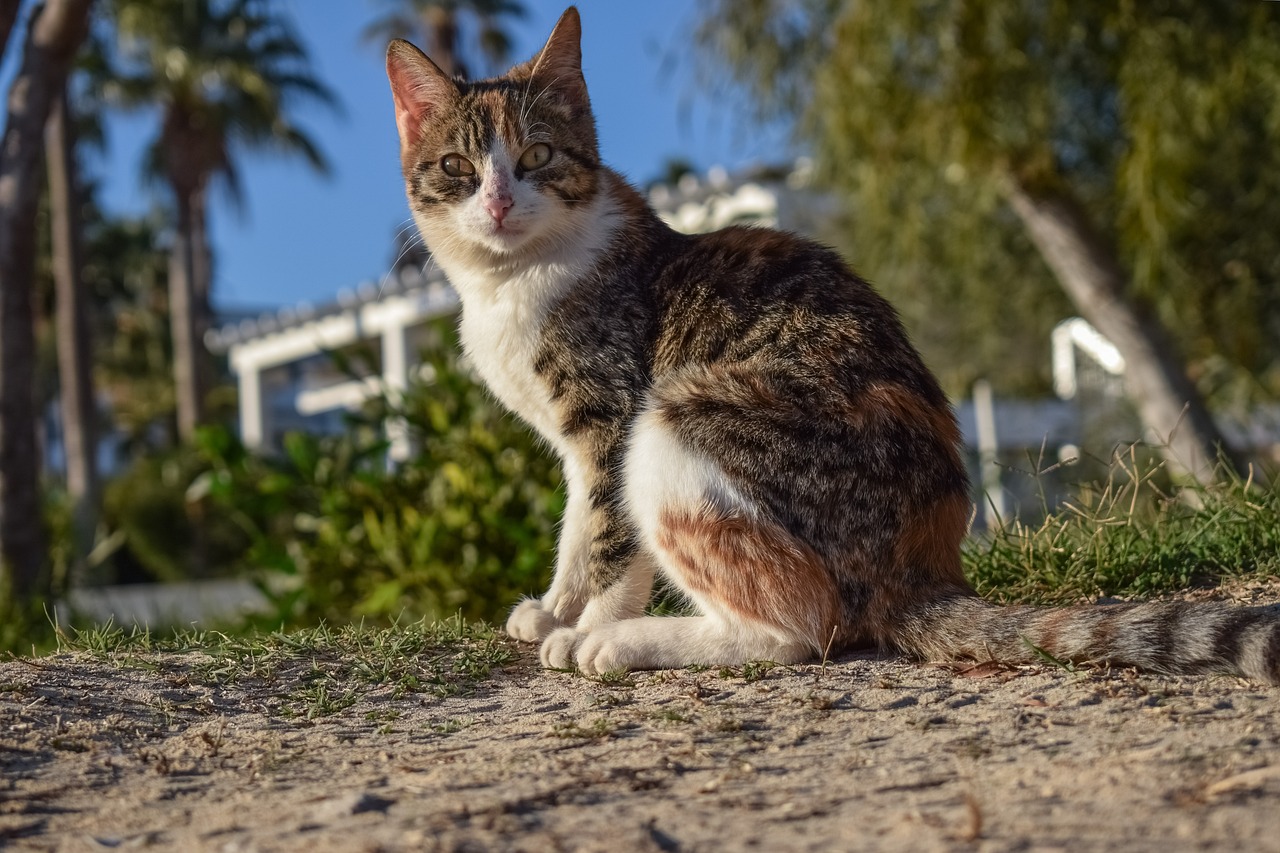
{"x": 56, "y": 30}
{"x": 436, "y": 24}
{"x": 224, "y": 74}
{"x": 74, "y": 124}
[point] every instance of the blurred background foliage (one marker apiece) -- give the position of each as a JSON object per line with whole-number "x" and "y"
{"x": 1160, "y": 117}
{"x": 466, "y": 525}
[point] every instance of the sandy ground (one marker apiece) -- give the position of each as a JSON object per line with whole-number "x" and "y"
{"x": 862, "y": 754}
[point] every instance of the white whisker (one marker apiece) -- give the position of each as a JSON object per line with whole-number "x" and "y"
{"x": 533, "y": 103}
{"x": 414, "y": 242}
{"x": 405, "y": 226}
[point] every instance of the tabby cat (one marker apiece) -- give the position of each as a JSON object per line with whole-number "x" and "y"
{"x": 736, "y": 412}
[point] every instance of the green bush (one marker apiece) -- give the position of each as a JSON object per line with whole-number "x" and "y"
{"x": 161, "y": 534}
{"x": 467, "y": 525}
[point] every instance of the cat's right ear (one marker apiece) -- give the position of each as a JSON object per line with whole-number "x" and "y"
{"x": 419, "y": 88}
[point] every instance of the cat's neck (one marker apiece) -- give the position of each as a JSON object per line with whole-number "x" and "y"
{"x": 545, "y": 269}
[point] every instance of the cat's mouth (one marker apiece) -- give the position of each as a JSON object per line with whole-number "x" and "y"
{"x": 506, "y": 234}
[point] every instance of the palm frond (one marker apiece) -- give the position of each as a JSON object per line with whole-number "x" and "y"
{"x": 233, "y": 67}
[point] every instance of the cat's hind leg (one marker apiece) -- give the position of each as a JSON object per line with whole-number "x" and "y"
{"x": 761, "y": 592}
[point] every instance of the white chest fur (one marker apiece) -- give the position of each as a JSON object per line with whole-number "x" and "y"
{"x": 502, "y": 335}
{"x": 503, "y": 312}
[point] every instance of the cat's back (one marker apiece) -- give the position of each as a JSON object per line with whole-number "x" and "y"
{"x": 747, "y": 293}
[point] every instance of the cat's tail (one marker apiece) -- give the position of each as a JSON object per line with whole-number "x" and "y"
{"x": 1173, "y": 637}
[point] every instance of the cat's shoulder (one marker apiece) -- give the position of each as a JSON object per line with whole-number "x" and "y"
{"x": 735, "y": 246}
{"x": 764, "y": 243}
{"x": 767, "y": 257}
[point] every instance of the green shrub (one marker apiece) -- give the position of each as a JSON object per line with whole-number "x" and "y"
{"x": 467, "y": 525}
{"x": 163, "y": 535}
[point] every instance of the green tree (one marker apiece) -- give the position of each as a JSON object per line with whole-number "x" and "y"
{"x": 437, "y": 24}
{"x": 224, "y": 73}
{"x": 128, "y": 277}
{"x": 1122, "y": 152}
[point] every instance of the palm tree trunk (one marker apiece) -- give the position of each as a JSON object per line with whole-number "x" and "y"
{"x": 75, "y": 380}
{"x": 54, "y": 35}
{"x": 184, "y": 321}
{"x": 1154, "y": 377}
{"x": 188, "y": 294}
{"x": 202, "y": 285}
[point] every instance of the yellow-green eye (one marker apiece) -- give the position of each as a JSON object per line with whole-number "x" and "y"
{"x": 457, "y": 166}
{"x": 535, "y": 156}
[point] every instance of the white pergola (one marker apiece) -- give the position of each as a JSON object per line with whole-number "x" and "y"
{"x": 1078, "y": 334}
{"x": 291, "y": 335}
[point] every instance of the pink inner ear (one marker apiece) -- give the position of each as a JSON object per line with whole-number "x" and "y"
{"x": 414, "y": 98}
{"x": 409, "y": 118}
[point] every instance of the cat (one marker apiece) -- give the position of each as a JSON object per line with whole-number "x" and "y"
{"x": 736, "y": 412}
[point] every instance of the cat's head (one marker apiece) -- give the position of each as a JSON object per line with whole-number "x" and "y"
{"x": 496, "y": 168}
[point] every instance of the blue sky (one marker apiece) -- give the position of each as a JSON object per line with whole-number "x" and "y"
{"x": 304, "y": 237}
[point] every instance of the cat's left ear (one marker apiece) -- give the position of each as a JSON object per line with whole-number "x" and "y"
{"x": 559, "y": 63}
{"x": 419, "y": 88}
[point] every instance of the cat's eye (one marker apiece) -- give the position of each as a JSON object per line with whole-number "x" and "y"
{"x": 535, "y": 156}
{"x": 457, "y": 166}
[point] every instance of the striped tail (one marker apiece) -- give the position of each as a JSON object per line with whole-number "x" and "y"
{"x": 1174, "y": 637}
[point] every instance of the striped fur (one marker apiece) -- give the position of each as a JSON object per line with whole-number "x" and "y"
{"x": 1174, "y": 637}
{"x": 736, "y": 412}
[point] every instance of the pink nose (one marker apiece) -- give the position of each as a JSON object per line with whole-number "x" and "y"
{"x": 498, "y": 206}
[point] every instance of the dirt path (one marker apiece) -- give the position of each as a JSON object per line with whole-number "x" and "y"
{"x": 865, "y": 754}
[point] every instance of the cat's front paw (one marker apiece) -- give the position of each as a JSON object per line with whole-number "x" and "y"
{"x": 607, "y": 650}
{"x": 558, "y": 649}
{"x": 592, "y": 653}
{"x": 531, "y": 622}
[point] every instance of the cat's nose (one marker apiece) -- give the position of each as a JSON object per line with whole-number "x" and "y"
{"x": 498, "y": 206}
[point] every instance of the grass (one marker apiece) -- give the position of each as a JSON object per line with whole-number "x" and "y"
{"x": 1126, "y": 536}
{"x": 316, "y": 671}
{"x": 452, "y": 726}
{"x": 1048, "y": 659}
{"x": 1130, "y": 537}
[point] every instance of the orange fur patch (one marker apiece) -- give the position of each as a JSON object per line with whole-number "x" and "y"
{"x": 904, "y": 405}
{"x": 753, "y": 569}
{"x": 930, "y": 540}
